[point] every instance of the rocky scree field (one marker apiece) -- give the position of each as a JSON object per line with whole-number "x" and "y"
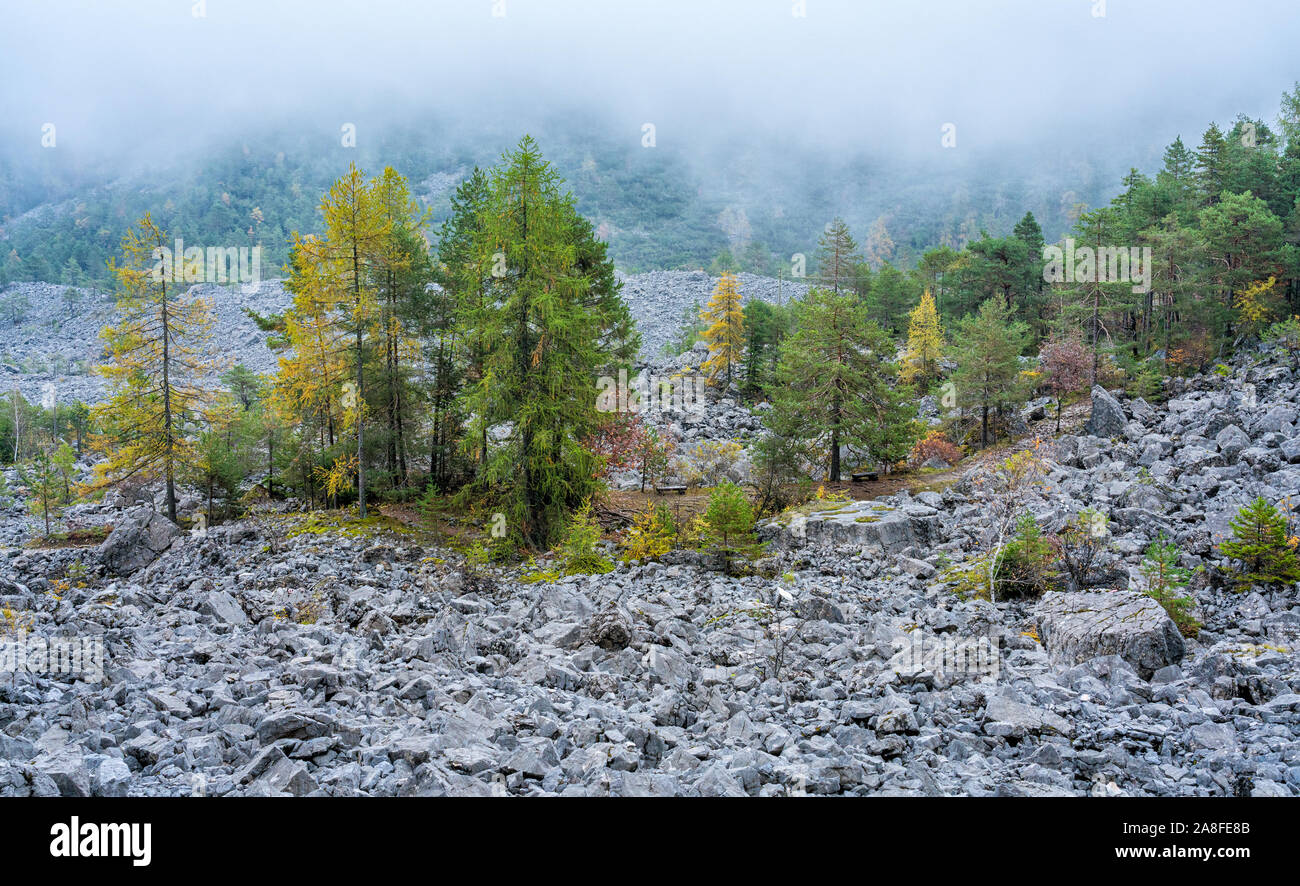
{"x": 290, "y": 654}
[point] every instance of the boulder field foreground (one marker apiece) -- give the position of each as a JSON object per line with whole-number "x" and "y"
{"x": 288, "y": 655}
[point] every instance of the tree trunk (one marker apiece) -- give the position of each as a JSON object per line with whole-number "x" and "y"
{"x": 168, "y": 440}
{"x": 361, "y": 433}
{"x": 835, "y": 454}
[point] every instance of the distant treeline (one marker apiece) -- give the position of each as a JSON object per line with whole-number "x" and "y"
{"x": 657, "y": 208}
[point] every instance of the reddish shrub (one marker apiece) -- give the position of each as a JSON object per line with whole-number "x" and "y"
{"x": 932, "y": 445}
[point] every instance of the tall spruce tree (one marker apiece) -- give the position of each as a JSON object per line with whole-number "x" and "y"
{"x": 838, "y": 257}
{"x": 554, "y": 324}
{"x": 1211, "y": 165}
{"x": 836, "y": 384}
{"x": 455, "y": 331}
{"x": 988, "y": 371}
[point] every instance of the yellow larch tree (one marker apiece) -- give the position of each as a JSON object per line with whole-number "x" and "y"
{"x": 308, "y": 383}
{"x": 924, "y": 343}
{"x": 157, "y": 356}
{"x": 335, "y": 273}
{"x": 724, "y": 319}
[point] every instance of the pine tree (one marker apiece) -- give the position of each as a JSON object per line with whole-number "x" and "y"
{"x": 64, "y": 460}
{"x": 892, "y": 295}
{"x": 1178, "y": 179}
{"x": 936, "y": 267}
{"x": 1090, "y": 298}
{"x": 1241, "y": 238}
{"x": 402, "y": 274}
{"x": 835, "y": 385}
{"x": 1002, "y": 266}
{"x": 837, "y": 257}
{"x": 1032, "y": 284}
{"x": 779, "y": 461}
{"x": 42, "y": 478}
{"x": 455, "y": 328}
{"x": 728, "y": 525}
{"x": 924, "y": 343}
{"x": 156, "y": 359}
{"x": 1165, "y": 579}
{"x": 1211, "y": 165}
{"x": 988, "y": 371}
{"x": 244, "y": 384}
{"x": 1263, "y": 544}
{"x": 1173, "y": 278}
{"x": 221, "y": 455}
{"x": 725, "y": 330}
{"x": 578, "y": 553}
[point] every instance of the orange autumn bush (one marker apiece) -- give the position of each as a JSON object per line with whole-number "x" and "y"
{"x": 935, "y": 444}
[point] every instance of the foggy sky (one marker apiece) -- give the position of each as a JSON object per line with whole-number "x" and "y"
{"x": 136, "y": 76}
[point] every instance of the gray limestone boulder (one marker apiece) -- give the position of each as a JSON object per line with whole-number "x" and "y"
{"x": 136, "y": 541}
{"x": 1107, "y": 418}
{"x": 1076, "y": 627}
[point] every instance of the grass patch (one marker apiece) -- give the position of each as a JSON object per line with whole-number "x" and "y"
{"x": 347, "y": 524}
{"x": 79, "y": 537}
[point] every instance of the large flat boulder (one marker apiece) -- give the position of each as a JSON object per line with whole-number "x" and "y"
{"x": 1076, "y": 627}
{"x": 136, "y": 541}
{"x": 858, "y": 525}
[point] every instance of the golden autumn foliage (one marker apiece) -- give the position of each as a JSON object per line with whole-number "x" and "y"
{"x": 1255, "y": 305}
{"x": 724, "y": 317}
{"x": 157, "y": 355}
{"x": 924, "y": 343}
{"x": 336, "y": 314}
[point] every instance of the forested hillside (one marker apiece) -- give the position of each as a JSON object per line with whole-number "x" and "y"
{"x": 735, "y": 205}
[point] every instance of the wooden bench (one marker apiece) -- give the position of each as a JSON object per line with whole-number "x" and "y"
{"x": 664, "y": 490}
{"x": 866, "y": 476}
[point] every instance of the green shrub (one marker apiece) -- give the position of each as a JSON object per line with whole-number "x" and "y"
{"x": 1165, "y": 579}
{"x": 650, "y": 537}
{"x": 1146, "y": 379}
{"x": 728, "y": 525}
{"x": 578, "y": 553}
{"x": 1263, "y": 543}
{"x": 1024, "y": 566}
{"x": 1286, "y": 334}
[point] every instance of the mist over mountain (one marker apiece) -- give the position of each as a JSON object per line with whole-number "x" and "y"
{"x": 923, "y": 124}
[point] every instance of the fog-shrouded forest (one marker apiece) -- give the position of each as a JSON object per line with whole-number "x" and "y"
{"x": 746, "y": 205}
{"x": 744, "y": 171}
